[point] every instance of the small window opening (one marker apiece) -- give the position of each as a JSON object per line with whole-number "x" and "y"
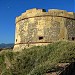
{"x": 40, "y": 38}
{"x": 73, "y": 38}
{"x": 43, "y": 10}
{"x": 16, "y": 40}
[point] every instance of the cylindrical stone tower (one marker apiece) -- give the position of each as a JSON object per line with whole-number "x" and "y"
{"x": 38, "y": 27}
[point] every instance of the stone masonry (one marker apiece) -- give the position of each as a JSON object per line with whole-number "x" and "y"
{"x": 38, "y": 27}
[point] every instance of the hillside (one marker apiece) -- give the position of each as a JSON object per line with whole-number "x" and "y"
{"x": 37, "y": 60}
{"x": 3, "y": 45}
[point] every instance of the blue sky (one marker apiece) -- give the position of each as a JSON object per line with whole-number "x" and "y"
{"x": 9, "y": 9}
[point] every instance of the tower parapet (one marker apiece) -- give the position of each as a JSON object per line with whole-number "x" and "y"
{"x": 41, "y": 12}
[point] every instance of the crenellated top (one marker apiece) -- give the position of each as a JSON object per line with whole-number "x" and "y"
{"x": 42, "y": 12}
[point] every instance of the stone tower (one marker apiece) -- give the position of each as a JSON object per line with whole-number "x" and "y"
{"x": 38, "y": 27}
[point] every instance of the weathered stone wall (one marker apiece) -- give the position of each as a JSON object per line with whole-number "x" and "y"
{"x": 70, "y": 25}
{"x": 37, "y": 27}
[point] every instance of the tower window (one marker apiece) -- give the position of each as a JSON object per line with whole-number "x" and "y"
{"x": 73, "y": 38}
{"x": 40, "y": 38}
{"x": 16, "y": 40}
{"x": 43, "y": 10}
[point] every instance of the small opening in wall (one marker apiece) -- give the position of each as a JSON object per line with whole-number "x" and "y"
{"x": 43, "y": 10}
{"x": 40, "y": 38}
{"x": 16, "y": 40}
{"x": 73, "y": 38}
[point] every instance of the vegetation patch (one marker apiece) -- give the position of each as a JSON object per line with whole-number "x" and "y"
{"x": 37, "y": 60}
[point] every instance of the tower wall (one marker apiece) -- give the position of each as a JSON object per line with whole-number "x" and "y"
{"x": 37, "y": 27}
